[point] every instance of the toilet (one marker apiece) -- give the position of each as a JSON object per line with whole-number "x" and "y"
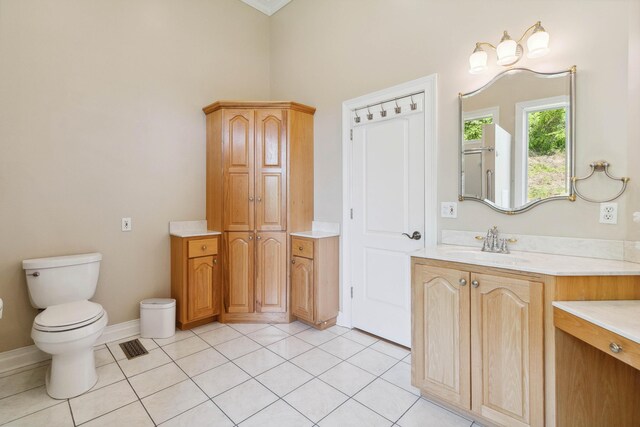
{"x": 70, "y": 324}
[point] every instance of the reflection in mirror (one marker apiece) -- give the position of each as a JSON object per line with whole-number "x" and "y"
{"x": 516, "y": 140}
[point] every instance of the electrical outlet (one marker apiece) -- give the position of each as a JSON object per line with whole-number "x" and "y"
{"x": 126, "y": 224}
{"x": 449, "y": 210}
{"x": 608, "y": 213}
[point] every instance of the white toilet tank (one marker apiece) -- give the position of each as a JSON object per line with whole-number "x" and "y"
{"x": 62, "y": 279}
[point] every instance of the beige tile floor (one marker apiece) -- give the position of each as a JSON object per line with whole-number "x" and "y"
{"x": 228, "y": 375}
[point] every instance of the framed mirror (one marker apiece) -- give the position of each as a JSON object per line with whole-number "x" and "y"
{"x": 517, "y": 140}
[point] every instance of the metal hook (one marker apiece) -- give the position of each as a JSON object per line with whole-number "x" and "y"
{"x": 369, "y": 114}
{"x": 357, "y": 119}
{"x": 383, "y": 112}
{"x": 414, "y": 105}
{"x": 398, "y": 108}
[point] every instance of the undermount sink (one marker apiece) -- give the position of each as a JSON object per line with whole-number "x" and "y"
{"x": 487, "y": 256}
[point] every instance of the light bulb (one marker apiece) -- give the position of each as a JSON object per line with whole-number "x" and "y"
{"x": 538, "y": 43}
{"x": 478, "y": 61}
{"x": 507, "y": 50}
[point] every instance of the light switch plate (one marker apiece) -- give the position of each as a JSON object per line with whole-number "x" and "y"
{"x": 449, "y": 210}
{"x": 126, "y": 224}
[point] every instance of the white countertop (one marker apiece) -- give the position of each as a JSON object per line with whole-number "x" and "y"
{"x": 621, "y": 317}
{"x": 194, "y": 233}
{"x": 532, "y": 262}
{"x": 315, "y": 234}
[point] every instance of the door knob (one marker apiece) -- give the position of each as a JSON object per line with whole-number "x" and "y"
{"x": 475, "y": 283}
{"x": 415, "y": 236}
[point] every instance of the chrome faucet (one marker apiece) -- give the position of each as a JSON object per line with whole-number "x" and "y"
{"x": 493, "y": 243}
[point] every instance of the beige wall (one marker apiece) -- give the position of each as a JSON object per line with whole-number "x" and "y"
{"x": 325, "y": 52}
{"x": 100, "y": 118}
{"x": 100, "y": 113}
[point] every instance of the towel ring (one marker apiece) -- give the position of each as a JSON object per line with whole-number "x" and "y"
{"x": 599, "y": 166}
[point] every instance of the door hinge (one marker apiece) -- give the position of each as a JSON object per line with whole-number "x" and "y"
{"x": 352, "y": 292}
{"x": 351, "y": 134}
{"x": 351, "y": 213}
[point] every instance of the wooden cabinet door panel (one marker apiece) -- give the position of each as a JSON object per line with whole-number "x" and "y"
{"x": 271, "y": 278}
{"x": 441, "y": 340}
{"x": 507, "y": 375}
{"x": 200, "y": 288}
{"x": 270, "y": 170}
{"x": 302, "y": 292}
{"x": 239, "y": 274}
{"x": 238, "y": 149}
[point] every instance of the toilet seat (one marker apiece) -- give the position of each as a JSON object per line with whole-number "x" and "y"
{"x": 69, "y": 316}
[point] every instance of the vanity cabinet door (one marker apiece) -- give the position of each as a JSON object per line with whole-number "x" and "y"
{"x": 507, "y": 350}
{"x": 239, "y": 276}
{"x": 302, "y": 288}
{"x": 441, "y": 335}
{"x": 271, "y": 268}
{"x": 201, "y": 287}
{"x": 238, "y": 153}
{"x": 270, "y": 164}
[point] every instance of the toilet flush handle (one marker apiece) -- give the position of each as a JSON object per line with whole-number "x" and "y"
{"x": 34, "y": 274}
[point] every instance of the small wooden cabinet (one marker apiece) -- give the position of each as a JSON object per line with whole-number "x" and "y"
{"x": 314, "y": 280}
{"x": 478, "y": 342}
{"x": 195, "y": 279}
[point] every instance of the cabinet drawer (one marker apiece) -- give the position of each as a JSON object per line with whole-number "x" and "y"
{"x": 603, "y": 339}
{"x": 302, "y": 247}
{"x": 202, "y": 247}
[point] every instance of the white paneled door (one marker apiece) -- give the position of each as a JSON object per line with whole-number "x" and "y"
{"x": 388, "y": 200}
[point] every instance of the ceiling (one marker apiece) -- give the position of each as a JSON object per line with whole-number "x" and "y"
{"x": 268, "y": 7}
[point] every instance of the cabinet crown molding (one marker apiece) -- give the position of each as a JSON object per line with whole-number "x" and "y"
{"x": 290, "y": 105}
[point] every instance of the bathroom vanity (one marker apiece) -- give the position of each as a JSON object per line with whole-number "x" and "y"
{"x": 484, "y": 341}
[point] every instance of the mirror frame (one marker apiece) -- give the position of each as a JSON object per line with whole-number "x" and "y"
{"x": 571, "y": 147}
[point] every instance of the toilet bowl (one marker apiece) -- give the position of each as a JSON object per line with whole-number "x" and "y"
{"x": 68, "y": 333}
{"x": 70, "y": 324}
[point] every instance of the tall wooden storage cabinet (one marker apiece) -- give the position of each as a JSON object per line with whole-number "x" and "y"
{"x": 259, "y": 189}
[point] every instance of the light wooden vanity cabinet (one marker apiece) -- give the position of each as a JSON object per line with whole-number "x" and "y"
{"x": 195, "y": 279}
{"x": 314, "y": 280}
{"x": 259, "y": 189}
{"x": 478, "y": 341}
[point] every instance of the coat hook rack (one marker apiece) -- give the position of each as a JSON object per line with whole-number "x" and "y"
{"x": 599, "y": 166}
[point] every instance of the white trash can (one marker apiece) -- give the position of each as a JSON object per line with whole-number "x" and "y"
{"x": 157, "y": 318}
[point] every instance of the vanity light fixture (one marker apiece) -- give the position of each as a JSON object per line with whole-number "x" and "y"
{"x": 510, "y": 51}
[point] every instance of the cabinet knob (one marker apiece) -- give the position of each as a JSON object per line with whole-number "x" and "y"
{"x": 251, "y": 198}
{"x": 293, "y": 261}
{"x": 259, "y": 199}
{"x": 463, "y": 282}
{"x": 204, "y": 247}
{"x": 215, "y": 261}
{"x": 259, "y": 237}
{"x": 250, "y": 237}
{"x": 615, "y": 348}
{"x": 300, "y": 248}
{"x": 475, "y": 283}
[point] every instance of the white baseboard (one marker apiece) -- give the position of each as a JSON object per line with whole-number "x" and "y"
{"x": 119, "y": 331}
{"x": 24, "y": 356}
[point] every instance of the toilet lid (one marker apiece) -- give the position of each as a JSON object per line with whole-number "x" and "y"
{"x": 72, "y": 315}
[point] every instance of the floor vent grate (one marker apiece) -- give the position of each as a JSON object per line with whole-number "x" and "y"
{"x": 133, "y": 348}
